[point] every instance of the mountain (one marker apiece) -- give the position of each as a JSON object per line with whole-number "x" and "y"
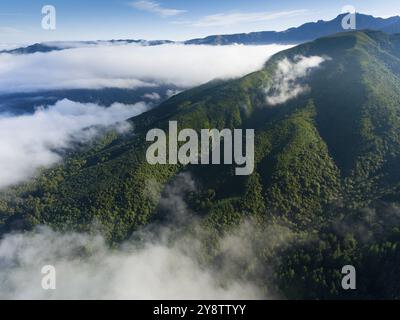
{"x": 37, "y": 47}
{"x": 306, "y": 32}
{"x": 327, "y": 156}
{"x": 62, "y": 45}
{"x": 392, "y": 28}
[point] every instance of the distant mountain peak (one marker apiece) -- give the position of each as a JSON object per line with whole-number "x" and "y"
{"x": 295, "y": 35}
{"x": 306, "y": 32}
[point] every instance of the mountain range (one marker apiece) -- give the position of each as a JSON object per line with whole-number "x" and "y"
{"x": 306, "y": 32}
{"x": 327, "y": 153}
{"x": 62, "y": 45}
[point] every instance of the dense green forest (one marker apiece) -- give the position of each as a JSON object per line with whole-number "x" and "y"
{"x": 326, "y": 169}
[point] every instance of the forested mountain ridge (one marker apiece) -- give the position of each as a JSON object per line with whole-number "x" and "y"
{"x": 325, "y": 158}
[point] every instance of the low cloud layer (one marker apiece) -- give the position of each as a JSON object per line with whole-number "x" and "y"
{"x": 166, "y": 263}
{"x": 29, "y": 142}
{"x": 129, "y": 66}
{"x": 285, "y": 83}
{"x": 155, "y": 270}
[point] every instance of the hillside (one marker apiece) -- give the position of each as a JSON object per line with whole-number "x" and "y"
{"x": 326, "y": 165}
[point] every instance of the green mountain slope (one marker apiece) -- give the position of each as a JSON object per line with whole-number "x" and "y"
{"x": 322, "y": 160}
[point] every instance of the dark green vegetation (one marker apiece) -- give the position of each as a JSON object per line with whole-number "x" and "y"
{"x": 327, "y": 169}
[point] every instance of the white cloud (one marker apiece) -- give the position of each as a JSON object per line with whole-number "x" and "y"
{"x": 35, "y": 137}
{"x": 153, "y": 96}
{"x": 129, "y": 66}
{"x": 171, "y": 92}
{"x": 285, "y": 85}
{"x": 228, "y": 19}
{"x": 158, "y": 262}
{"x": 155, "y": 271}
{"x": 165, "y": 263}
{"x": 9, "y": 46}
{"x": 155, "y": 7}
{"x": 29, "y": 142}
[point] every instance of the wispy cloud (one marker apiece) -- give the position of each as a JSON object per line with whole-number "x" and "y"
{"x": 171, "y": 260}
{"x": 285, "y": 84}
{"x": 33, "y": 141}
{"x": 8, "y": 30}
{"x": 155, "y": 7}
{"x": 227, "y": 19}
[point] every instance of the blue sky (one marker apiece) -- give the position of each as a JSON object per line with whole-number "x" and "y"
{"x": 20, "y": 20}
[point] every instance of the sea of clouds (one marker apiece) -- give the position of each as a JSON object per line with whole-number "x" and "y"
{"x": 32, "y": 141}
{"x": 129, "y": 66}
{"x": 158, "y": 268}
{"x": 166, "y": 263}
{"x": 29, "y": 142}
